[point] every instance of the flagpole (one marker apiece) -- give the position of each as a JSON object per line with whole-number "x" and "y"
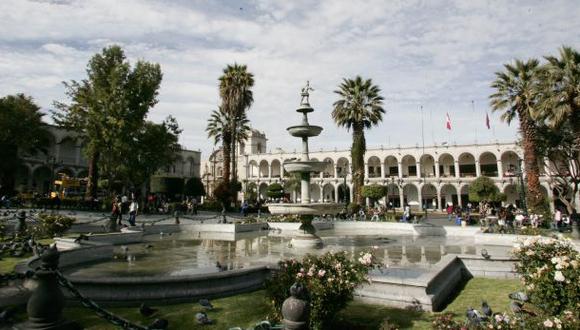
{"x": 422, "y": 131}
{"x": 431, "y": 121}
{"x": 473, "y": 110}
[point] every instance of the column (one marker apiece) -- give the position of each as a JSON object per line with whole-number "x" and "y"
{"x": 437, "y": 174}
{"x": 350, "y": 193}
{"x": 400, "y": 169}
{"x": 457, "y": 169}
{"x": 477, "y": 169}
{"x": 499, "y": 169}
{"x": 401, "y": 198}
{"x": 420, "y": 196}
{"x": 366, "y": 170}
{"x": 458, "y": 195}
{"x": 383, "y": 170}
{"x": 336, "y": 172}
{"x": 270, "y": 170}
{"x": 418, "y": 164}
{"x": 336, "y": 194}
{"x": 439, "y": 206}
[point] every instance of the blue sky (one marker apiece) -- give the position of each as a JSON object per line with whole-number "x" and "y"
{"x": 438, "y": 54}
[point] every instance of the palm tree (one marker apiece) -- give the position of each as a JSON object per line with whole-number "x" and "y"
{"x": 515, "y": 95}
{"x": 237, "y": 97}
{"x": 218, "y": 128}
{"x": 358, "y": 108}
{"x": 560, "y": 91}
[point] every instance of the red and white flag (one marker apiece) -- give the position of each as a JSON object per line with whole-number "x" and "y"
{"x": 487, "y": 121}
{"x": 448, "y": 121}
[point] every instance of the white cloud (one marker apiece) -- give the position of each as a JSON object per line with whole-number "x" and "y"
{"x": 441, "y": 54}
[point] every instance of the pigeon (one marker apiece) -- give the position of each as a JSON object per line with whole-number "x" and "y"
{"x": 147, "y": 311}
{"x": 519, "y": 296}
{"x": 205, "y": 303}
{"x": 220, "y": 267}
{"x": 473, "y": 316}
{"x": 486, "y": 309}
{"x": 484, "y": 254}
{"x": 516, "y": 307}
{"x": 148, "y": 246}
{"x": 159, "y": 324}
{"x": 202, "y": 318}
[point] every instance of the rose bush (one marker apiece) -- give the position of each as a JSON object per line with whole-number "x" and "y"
{"x": 550, "y": 272}
{"x": 330, "y": 280}
{"x": 50, "y": 225}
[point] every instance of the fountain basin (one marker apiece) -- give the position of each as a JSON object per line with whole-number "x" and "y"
{"x": 304, "y": 130}
{"x": 304, "y": 166}
{"x": 305, "y": 209}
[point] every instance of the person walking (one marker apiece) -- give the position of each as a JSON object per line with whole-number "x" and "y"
{"x": 133, "y": 208}
{"x": 116, "y": 211}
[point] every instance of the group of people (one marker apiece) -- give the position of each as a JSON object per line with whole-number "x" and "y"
{"x": 123, "y": 205}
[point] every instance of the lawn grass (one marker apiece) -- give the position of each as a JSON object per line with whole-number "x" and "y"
{"x": 245, "y": 310}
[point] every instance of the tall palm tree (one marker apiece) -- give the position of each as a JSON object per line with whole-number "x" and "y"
{"x": 515, "y": 95}
{"x": 218, "y": 128}
{"x": 359, "y": 107}
{"x": 560, "y": 91}
{"x": 237, "y": 97}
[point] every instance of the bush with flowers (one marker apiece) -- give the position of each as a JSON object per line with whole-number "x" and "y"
{"x": 550, "y": 271}
{"x": 330, "y": 280}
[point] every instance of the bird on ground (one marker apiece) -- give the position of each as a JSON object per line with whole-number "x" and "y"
{"x": 147, "y": 311}
{"x": 205, "y": 303}
{"x": 486, "y": 309}
{"x": 473, "y": 316}
{"x": 484, "y": 254}
{"x": 148, "y": 246}
{"x": 202, "y": 318}
{"x": 520, "y": 296}
{"x": 516, "y": 307}
{"x": 159, "y": 324}
{"x": 220, "y": 267}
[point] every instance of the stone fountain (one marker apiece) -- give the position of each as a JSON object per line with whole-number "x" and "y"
{"x": 305, "y": 167}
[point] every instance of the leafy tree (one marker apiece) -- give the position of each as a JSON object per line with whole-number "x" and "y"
{"x": 166, "y": 185}
{"x": 194, "y": 187}
{"x": 225, "y": 193}
{"x": 218, "y": 128}
{"x": 557, "y": 146}
{"x": 237, "y": 97}
{"x": 484, "y": 189}
{"x": 358, "y": 108}
{"x": 275, "y": 190}
{"x": 515, "y": 95}
{"x": 560, "y": 92}
{"x": 251, "y": 193}
{"x": 374, "y": 192}
{"x": 21, "y": 131}
{"x": 108, "y": 110}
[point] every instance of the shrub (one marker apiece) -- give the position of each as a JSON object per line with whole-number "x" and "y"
{"x": 50, "y": 225}
{"x": 330, "y": 280}
{"x": 550, "y": 271}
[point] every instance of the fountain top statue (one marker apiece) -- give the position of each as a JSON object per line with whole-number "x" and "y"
{"x": 306, "y": 94}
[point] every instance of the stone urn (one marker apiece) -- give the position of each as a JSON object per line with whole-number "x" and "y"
{"x": 296, "y": 308}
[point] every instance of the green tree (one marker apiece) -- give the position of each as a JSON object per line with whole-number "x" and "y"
{"x": 374, "y": 192}
{"x": 358, "y": 108}
{"x": 515, "y": 95}
{"x": 166, "y": 185}
{"x": 108, "y": 109}
{"x": 218, "y": 128}
{"x": 275, "y": 190}
{"x": 559, "y": 92}
{"x": 237, "y": 97}
{"x": 21, "y": 132}
{"x": 251, "y": 192}
{"x": 194, "y": 187}
{"x": 483, "y": 189}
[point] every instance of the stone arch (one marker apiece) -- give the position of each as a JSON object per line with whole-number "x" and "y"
{"x": 429, "y": 196}
{"x": 393, "y": 195}
{"x": 466, "y": 165}
{"x": 446, "y": 165}
{"x": 262, "y": 191}
{"x": 343, "y": 193}
{"x": 409, "y": 166}
{"x": 512, "y": 194}
{"x": 190, "y": 165}
{"x": 464, "y": 191}
{"x": 328, "y": 193}
{"x": 488, "y": 164}
{"x": 264, "y": 169}
{"x": 448, "y": 195}
{"x": 374, "y": 167}
{"x": 391, "y": 166}
{"x": 276, "y": 168}
{"x": 253, "y": 169}
{"x": 342, "y": 165}
{"x": 427, "y": 166}
{"x": 329, "y": 168}
{"x": 410, "y": 193}
{"x": 41, "y": 178}
{"x": 510, "y": 163}
{"x": 315, "y": 193}
{"x": 22, "y": 176}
